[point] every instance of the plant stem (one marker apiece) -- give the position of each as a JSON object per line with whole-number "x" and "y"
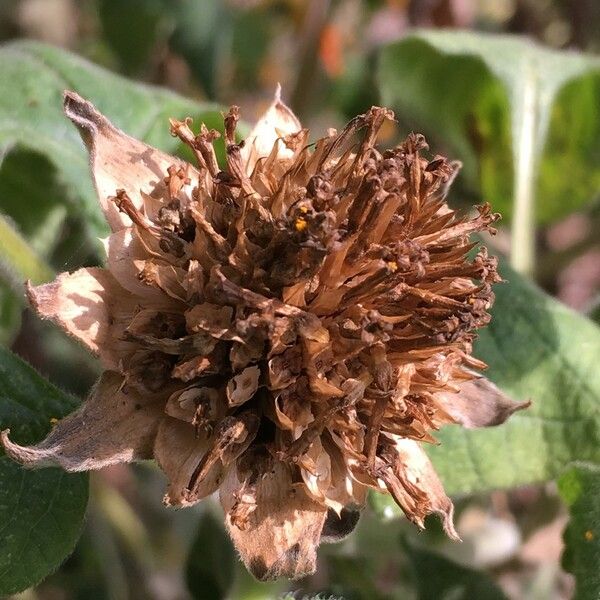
{"x": 522, "y": 255}
{"x": 315, "y": 19}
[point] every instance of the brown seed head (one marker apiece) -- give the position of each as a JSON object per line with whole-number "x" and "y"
{"x": 301, "y": 318}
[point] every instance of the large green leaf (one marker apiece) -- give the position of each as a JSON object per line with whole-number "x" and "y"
{"x": 41, "y": 512}
{"x": 482, "y": 95}
{"x": 31, "y": 116}
{"x": 537, "y": 349}
{"x": 579, "y": 487}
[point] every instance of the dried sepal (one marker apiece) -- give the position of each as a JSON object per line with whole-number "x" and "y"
{"x": 479, "y": 403}
{"x": 114, "y": 425}
{"x": 410, "y": 477}
{"x": 90, "y": 305}
{"x": 178, "y": 450}
{"x": 269, "y": 133}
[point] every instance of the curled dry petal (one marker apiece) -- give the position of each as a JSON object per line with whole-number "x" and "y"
{"x": 114, "y": 425}
{"x": 277, "y": 123}
{"x": 480, "y": 403}
{"x": 118, "y": 161}
{"x": 279, "y": 538}
{"x": 414, "y": 484}
{"x": 289, "y": 327}
{"x": 178, "y": 450}
{"x": 88, "y": 304}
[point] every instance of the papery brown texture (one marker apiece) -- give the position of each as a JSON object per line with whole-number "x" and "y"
{"x": 289, "y": 327}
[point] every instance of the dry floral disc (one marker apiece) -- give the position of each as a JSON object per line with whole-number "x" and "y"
{"x": 287, "y": 327}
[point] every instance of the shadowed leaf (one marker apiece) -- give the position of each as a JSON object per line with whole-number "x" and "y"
{"x": 41, "y": 512}
{"x": 579, "y": 487}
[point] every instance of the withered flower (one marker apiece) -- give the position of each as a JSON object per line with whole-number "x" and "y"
{"x": 287, "y": 329}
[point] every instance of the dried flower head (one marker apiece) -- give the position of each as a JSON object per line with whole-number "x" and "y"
{"x": 287, "y": 329}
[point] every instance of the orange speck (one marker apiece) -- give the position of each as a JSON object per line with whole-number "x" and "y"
{"x": 53, "y": 421}
{"x": 331, "y": 50}
{"x": 589, "y": 535}
{"x": 301, "y": 224}
{"x": 304, "y": 209}
{"x": 392, "y": 265}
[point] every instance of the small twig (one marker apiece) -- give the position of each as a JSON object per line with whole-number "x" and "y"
{"x": 317, "y": 12}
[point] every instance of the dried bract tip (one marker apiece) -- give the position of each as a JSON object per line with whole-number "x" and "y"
{"x": 289, "y": 327}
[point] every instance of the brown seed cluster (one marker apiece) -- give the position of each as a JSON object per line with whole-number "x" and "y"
{"x": 301, "y": 317}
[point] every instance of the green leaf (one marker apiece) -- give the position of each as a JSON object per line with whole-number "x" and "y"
{"x": 485, "y": 94}
{"x": 438, "y": 578}
{"x": 20, "y": 192}
{"x": 202, "y": 33}
{"x": 18, "y": 260}
{"x": 579, "y": 487}
{"x": 10, "y": 315}
{"x": 41, "y": 512}
{"x": 31, "y": 116}
{"x": 132, "y": 29}
{"x": 210, "y": 570}
{"x": 537, "y": 349}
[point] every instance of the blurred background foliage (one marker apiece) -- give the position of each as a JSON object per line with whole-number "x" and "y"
{"x": 334, "y": 58}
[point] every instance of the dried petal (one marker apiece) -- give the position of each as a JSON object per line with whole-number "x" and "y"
{"x": 479, "y": 403}
{"x": 85, "y": 304}
{"x": 118, "y": 161}
{"x": 178, "y": 450}
{"x": 276, "y": 123}
{"x": 412, "y": 480}
{"x": 243, "y": 386}
{"x": 281, "y": 536}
